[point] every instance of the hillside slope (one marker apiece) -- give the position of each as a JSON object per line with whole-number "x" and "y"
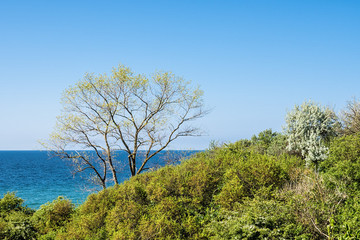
{"x": 236, "y": 191}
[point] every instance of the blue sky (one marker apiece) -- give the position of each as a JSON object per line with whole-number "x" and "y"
{"x": 254, "y": 59}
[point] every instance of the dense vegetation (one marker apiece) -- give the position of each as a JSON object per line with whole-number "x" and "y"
{"x": 251, "y": 189}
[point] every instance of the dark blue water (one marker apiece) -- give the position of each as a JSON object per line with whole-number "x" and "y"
{"x": 38, "y": 178}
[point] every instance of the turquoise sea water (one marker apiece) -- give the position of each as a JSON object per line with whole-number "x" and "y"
{"x": 38, "y": 178}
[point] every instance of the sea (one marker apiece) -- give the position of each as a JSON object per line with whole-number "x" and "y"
{"x": 39, "y": 177}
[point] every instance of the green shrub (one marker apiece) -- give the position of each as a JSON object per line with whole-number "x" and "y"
{"x": 347, "y": 220}
{"x": 343, "y": 162}
{"x": 166, "y": 220}
{"x": 19, "y": 226}
{"x": 10, "y": 202}
{"x": 15, "y": 218}
{"x": 278, "y": 145}
{"x": 263, "y": 140}
{"x": 257, "y": 219}
{"x": 313, "y": 203}
{"x": 247, "y": 177}
{"x": 52, "y": 216}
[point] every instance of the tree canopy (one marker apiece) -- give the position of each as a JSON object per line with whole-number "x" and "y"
{"x": 124, "y": 112}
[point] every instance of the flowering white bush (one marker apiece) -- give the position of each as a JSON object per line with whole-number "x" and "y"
{"x": 309, "y": 127}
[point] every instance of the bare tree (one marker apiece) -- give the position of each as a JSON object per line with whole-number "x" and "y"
{"x": 124, "y": 112}
{"x": 351, "y": 118}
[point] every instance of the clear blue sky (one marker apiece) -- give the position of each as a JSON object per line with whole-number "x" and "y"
{"x": 253, "y": 59}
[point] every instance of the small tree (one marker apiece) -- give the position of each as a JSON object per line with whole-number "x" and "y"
{"x": 351, "y": 118}
{"x": 263, "y": 140}
{"x": 124, "y": 112}
{"x": 309, "y": 129}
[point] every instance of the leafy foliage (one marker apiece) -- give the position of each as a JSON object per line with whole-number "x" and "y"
{"x": 15, "y": 219}
{"x": 52, "y": 216}
{"x": 263, "y": 140}
{"x": 257, "y": 219}
{"x": 344, "y": 161}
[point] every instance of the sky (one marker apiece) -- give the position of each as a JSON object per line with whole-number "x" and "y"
{"x": 253, "y": 59}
